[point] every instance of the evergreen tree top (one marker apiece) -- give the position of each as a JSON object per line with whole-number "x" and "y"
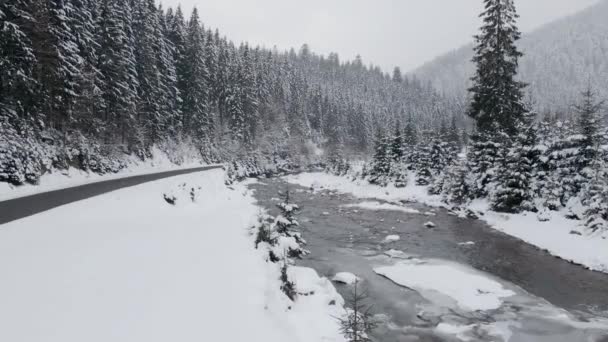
{"x": 497, "y": 96}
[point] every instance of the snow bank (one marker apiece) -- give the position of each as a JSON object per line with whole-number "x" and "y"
{"x": 553, "y": 235}
{"x": 392, "y": 238}
{"x": 373, "y": 205}
{"x": 59, "y": 179}
{"x": 362, "y": 189}
{"x": 470, "y": 290}
{"x": 127, "y": 266}
{"x": 345, "y": 278}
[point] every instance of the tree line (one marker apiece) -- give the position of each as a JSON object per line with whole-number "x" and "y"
{"x": 85, "y": 81}
{"x": 513, "y": 160}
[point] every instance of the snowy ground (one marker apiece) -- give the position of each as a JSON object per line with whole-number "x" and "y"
{"x": 127, "y": 266}
{"x": 59, "y": 179}
{"x": 554, "y": 235}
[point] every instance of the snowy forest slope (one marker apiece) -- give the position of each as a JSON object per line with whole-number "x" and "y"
{"x": 560, "y": 59}
{"x": 82, "y": 82}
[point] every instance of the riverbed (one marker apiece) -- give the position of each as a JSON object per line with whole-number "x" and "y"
{"x": 541, "y": 298}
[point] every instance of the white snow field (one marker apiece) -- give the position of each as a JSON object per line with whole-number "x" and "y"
{"x": 127, "y": 266}
{"x": 468, "y": 289}
{"x": 59, "y": 179}
{"x": 554, "y": 235}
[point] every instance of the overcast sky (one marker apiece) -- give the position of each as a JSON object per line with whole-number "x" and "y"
{"x": 406, "y": 33}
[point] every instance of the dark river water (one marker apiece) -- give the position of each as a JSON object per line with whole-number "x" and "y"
{"x": 555, "y": 301}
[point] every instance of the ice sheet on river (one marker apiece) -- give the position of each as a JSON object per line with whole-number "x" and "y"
{"x": 469, "y": 290}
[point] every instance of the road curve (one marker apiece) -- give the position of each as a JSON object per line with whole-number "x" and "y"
{"x": 14, "y": 209}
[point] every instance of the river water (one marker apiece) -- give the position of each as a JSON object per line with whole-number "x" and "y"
{"x": 555, "y": 301}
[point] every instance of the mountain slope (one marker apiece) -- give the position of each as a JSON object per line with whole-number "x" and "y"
{"x": 560, "y": 60}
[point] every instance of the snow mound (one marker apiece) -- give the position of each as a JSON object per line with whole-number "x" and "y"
{"x": 468, "y": 243}
{"x": 345, "y": 278}
{"x": 393, "y": 253}
{"x": 373, "y": 205}
{"x": 392, "y": 238}
{"x": 470, "y": 290}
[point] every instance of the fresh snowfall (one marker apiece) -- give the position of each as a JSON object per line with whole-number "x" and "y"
{"x": 160, "y": 181}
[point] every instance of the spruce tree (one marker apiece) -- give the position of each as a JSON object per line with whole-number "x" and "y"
{"x": 90, "y": 104}
{"x": 397, "y": 75}
{"x": 381, "y": 163}
{"x": 146, "y": 29}
{"x": 17, "y": 62}
{"x": 496, "y": 94}
{"x": 177, "y": 36}
{"x": 197, "y": 119}
{"x": 58, "y": 61}
{"x": 588, "y": 112}
{"x": 397, "y": 151}
{"x": 514, "y": 191}
{"x": 169, "y": 86}
{"x": 249, "y": 100}
{"x": 118, "y": 67}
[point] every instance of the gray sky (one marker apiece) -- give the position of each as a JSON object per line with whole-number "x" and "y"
{"x": 406, "y": 33}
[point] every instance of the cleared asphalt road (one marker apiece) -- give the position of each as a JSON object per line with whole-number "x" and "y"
{"x": 21, "y": 207}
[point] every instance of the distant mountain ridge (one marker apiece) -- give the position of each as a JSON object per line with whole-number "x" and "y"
{"x": 561, "y": 58}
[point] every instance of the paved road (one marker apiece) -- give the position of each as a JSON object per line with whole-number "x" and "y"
{"x": 21, "y": 207}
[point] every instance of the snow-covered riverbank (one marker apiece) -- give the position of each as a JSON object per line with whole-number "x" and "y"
{"x": 555, "y": 234}
{"x": 128, "y": 266}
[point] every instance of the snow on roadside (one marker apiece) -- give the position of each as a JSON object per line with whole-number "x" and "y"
{"x": 469, "y": 290}
{"x": 59, "y": 179}
{"x": 373, "y": 205}
{"x": 554, "y": 235}
{"x": 127, "y": 266}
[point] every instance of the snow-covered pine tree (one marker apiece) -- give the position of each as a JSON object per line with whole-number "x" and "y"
{"x": 588, "y": 112}
{"x": 514, "y": 191}
{"x": 90, "y": 104}
{"x": 197, "y": 119}
{"x": 381, "y": 164}
{"x": 457, "y": 185}
{"x": 249, "y": 100}
{"x": 496, "y": 94}
{"x": 146, "y": 30}
{"x": 169, "y": 89}
{"x": 565, "y": 177}
{"x": 397, "y": 75}
{"x": 424, "y": 164}
{"x": 177, "y": 36}
{"x": 336, "y": 162}
{"x": 442, "y": 155}
{"x": 17, "y": 61}
{"x": 211, "y": 63}
{"x": 117, "y": 65}
{"x": 485, "y": 158}
{"x": 595, "y": 197}
{"x": 453, "y": 136}
{"x": 397, "y": 145}
{"x": 58, "y": 61}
